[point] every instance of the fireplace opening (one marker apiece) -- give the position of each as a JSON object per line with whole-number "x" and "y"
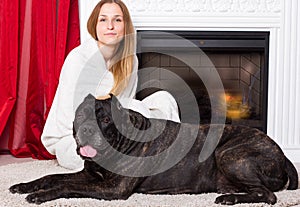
{"x": 240, "y": 58}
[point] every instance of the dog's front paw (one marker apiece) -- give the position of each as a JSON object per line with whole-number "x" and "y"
{"x": 37, "y": 198}
{"x": 34, "y": 198}
{"x": 21, "y": 188}
{"x": 226, "y": 199}
{"x": 43, "y": 196}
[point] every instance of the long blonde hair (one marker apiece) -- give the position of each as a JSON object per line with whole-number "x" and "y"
{"x": 123, "y": 60}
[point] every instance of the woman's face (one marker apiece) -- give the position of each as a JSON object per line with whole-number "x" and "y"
{"x": 110, "y": 26}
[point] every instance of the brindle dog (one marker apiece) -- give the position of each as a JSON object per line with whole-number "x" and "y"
{"x": 247, "y": 166}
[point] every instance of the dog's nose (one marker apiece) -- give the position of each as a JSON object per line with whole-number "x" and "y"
{"x": 88, "y": 130}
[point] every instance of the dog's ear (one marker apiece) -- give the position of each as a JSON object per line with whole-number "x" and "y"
{"x": 89, "y": 96}
{"x": 74, "y": 130}
{"x": 114, "y": 99}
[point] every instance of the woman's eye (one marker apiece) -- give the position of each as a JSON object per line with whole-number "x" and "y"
{"x": 118, "y": 20}
{"x": 102, "y": 20}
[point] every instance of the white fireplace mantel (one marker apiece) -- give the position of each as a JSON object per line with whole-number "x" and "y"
{"x": 280, "y": 17}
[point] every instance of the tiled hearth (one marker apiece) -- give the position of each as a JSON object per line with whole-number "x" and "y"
{"x": 277, "y": 17}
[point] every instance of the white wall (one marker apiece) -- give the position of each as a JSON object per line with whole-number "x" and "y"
{"x": 279, "y": 17}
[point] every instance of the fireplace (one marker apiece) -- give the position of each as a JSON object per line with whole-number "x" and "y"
{"x": 240, "y": 59}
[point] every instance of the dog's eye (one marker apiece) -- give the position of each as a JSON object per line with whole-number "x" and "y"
{"x": 132, "y": 118}
{"x": 106, "y": 120}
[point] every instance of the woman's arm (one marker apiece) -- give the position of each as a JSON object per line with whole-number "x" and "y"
{"x": 57, "y": 136}
{"x": 83, "y": 68}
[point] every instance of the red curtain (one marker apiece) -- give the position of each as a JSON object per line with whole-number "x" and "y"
{"x": 35, "y": 37}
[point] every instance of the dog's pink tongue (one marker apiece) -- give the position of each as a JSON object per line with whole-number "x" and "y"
{"x": 88, "y": 151}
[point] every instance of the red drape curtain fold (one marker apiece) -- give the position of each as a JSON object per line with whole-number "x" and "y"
{"x": 35, "y": 38}
{"x": 8, "y": 58}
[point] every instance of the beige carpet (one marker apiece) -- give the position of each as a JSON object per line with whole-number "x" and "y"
{"x": 23, "y": 172}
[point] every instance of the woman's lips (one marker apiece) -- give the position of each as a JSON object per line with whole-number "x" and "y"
{"x": 110, "y": 34}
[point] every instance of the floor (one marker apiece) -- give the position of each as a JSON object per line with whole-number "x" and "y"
{"x": 9, "y": 159}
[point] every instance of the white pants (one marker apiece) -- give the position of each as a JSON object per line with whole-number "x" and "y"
{"x": 160, "y": 105}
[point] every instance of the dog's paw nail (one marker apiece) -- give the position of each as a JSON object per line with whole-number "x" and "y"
{"x": 13, "y": 189}
{"x": 226, "y": 200}
{"x": 32, "y": 198}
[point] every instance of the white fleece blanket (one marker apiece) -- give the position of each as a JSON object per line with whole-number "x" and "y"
{"x": 23, "y": 172}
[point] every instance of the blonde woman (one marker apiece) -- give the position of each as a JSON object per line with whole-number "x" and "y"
{"x": 104, "y": 64}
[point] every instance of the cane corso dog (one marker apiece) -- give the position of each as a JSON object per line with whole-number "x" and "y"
{"x": 246, "y": 166}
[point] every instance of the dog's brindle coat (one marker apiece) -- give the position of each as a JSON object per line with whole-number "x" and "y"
{"x": 247, "y": 166}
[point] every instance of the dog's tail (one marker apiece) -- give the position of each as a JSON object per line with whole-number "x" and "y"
{"x": 292, "y": 174}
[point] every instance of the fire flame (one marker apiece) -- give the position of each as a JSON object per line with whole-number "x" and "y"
{"x": 236, "y": 109}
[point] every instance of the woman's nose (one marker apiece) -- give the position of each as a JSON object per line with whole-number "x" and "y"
{"x": 110, "y": 25}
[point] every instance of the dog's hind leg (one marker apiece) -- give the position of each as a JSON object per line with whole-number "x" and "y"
{"x": 248, "y": 184}
{"x": 255, "y": 165}
{"x": 253, "y": 182}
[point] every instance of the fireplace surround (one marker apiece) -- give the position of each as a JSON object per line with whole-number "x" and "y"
{"x": 279, "y": 18}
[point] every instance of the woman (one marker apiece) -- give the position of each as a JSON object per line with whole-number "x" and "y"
{"x": 104, "y": 64}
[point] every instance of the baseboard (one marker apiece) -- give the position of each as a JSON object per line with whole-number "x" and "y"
{"x": 292, "y": 154}
{"x": 4, "y": 152}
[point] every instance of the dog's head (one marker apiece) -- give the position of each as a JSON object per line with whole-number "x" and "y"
{"x": 86, "y": 131}
{"x": 100, "y": 123}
